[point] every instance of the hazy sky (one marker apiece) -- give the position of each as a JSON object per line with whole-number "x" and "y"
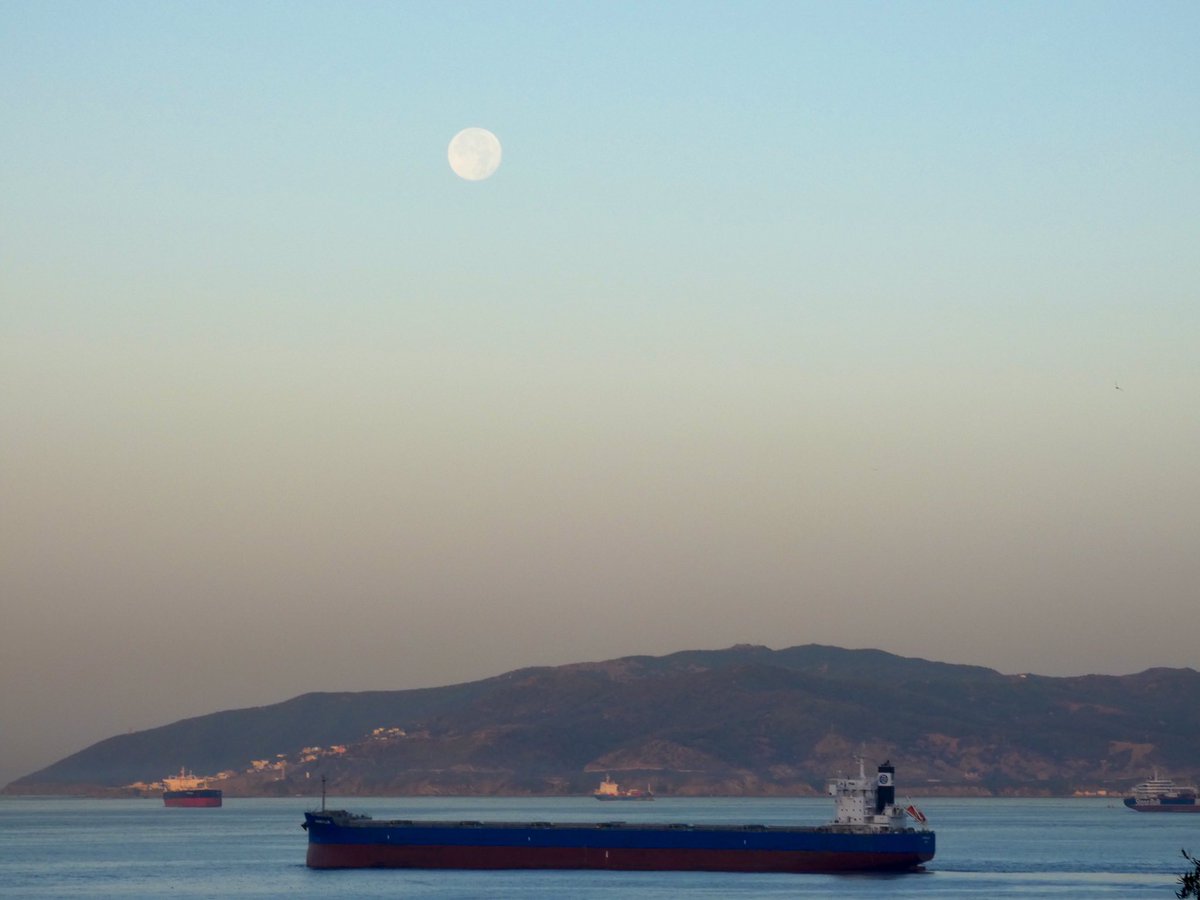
{"x": 779, "y": 323}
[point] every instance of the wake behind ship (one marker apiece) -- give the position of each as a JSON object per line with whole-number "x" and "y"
{"x": 186, "y": 790}
{"x": 868, "y": 833}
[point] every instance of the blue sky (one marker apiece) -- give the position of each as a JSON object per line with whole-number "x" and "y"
{"x": 779, "y": 323}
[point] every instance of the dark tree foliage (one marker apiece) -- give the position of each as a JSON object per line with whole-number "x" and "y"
{"x": 1189, "y": 881}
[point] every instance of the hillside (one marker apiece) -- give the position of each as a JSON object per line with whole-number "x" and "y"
{"x": 745, "y": 720}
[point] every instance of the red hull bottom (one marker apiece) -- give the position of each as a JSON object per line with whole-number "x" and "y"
{"x": 193, "y": 802}
{"x": 367, "y": 856}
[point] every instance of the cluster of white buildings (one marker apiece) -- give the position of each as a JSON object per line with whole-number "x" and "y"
{"x": 387, "y": 734}
{"x": 279, "y": 762}
{"x": 306, "y": 755}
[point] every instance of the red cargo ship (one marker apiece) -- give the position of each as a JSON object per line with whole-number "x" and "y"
{"x": 186, "y": 790}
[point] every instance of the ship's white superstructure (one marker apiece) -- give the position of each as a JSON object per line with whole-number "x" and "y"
{"x": 868, "y": 804}
{"x": 184, "y": 781}
{"x": 1156, "y": 789}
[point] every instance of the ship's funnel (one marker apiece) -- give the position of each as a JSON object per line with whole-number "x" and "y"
{"x": 885, "y": 787}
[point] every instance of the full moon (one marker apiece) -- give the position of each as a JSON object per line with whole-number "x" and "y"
{"x": 474, "y": 154}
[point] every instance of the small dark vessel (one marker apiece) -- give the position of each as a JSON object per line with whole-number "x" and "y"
{"x": 870, "y": 833}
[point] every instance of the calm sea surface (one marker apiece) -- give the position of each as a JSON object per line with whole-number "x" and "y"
{"x": 255, "y": 848}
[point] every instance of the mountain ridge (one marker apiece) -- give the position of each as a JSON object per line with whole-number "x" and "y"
{"x": 745, "y": 719}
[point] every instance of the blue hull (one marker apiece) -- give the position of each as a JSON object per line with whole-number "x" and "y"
{"x": 1165, "y": 804}
{"x": 336, "y": 840}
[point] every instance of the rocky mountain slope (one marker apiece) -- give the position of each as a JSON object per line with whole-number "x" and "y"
{"x": 745, "y": 720}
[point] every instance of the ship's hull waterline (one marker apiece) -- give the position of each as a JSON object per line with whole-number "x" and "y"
{"x": 334, "y": 845}
{"x": 869, "y": 833}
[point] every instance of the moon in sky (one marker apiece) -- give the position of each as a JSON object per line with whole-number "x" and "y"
{"x": 474, "y": 154}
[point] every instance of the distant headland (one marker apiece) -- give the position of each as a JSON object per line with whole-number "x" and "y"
{"x": 746, "y": 720}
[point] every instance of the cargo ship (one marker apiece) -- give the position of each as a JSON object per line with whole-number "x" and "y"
{"x": 186, "y": 790}
{"x": 1163, "y": 795}
{"x": 610, "y": 790}
{"x": 869, "y": 833}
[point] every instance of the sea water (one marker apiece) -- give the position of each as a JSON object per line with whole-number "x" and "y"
{"x": 255, "y": 848}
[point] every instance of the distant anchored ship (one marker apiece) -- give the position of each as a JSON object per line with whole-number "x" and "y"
{"x": 1163, "y": 795}
{"x": 610, "y": 790}
{"x": 186, "y": 790}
